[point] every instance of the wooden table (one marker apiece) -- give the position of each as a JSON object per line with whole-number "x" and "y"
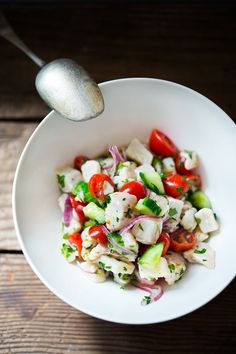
{"x": 193, "y": 44}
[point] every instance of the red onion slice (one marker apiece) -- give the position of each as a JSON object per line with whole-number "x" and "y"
{"x": 135, "y": 220}
{"x": 143, "y": 281}
{"x": 120, "y": 249}
{"x": 67, "y": 211}
{"x": 155, "y": 293}
{"x": 116, "y": 157}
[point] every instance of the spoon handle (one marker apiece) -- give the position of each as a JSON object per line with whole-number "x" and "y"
{"x": 7, "y": 32}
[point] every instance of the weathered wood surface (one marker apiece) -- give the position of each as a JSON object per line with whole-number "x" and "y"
{"x": 190, "y": 43}
{"x": 193, "y": 44}
{"x": 13, "y": 137}
{"x": 32, "y": 320}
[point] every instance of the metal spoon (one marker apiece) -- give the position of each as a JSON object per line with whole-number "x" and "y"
{"x": 63, "y": 84}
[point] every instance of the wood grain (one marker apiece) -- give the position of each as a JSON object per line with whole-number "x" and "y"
{"x": 13, "y": 137}
{"x": 32, "y": 320}
{"x": 190, "y": 43}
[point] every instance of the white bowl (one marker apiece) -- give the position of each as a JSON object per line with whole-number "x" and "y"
{"x": 133, "y": 108}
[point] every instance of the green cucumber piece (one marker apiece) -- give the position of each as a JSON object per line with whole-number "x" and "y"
{"x": 151, "y": 256}
{"x": 147, "y": 206}
{"x": 200, "y": 200}
{"x": 94, "y": 212}
{"x": 81, "y": 190}
{"x": 157, "y": 164}
{"x": 153, "y": 181}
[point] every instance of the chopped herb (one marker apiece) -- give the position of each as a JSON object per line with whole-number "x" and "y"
{"x": 184, "y": 179}
{"x": 67, "y": 250}
{"x": 200, "y": 251}
{"x": 180, "y": 163}
{"x": 117, "y": 219}
{"x": 134, "y": 278}
{"x": 125, "y": 269}
{"x": 181, "y": 271}
{"x": 215, "y": 216}
{"x": 107, "y": 199}
{"x": 172, "y": 212}
{"x": 171, "y": 267}
{"x": 61, "y": 180}
{"x": 140, "y": 227}
{"x": 122, "y": 287}
{"x": 146, "y": 300}
{"x": 124, "y": 276}
{"x": 102, "y": 265}
{"x": 190, "y": 153}
{"x": 198, "y": 220}
{"x": 124, "y": 199}
{"x": 107, "y": 267}
{"x": 128, "y": 213}
{"x": 65, "y": 236}
{"x": 180, "y": 190}
{"x": 204, "y": 260}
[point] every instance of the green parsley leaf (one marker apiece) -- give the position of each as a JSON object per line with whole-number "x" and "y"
{"x": 124, "y": 199}
{"x": 146, "y": 300}
{"x": 122, "y": 287}
{"x": 123, "y": 276}
{"x": 120, "y": 165}
{"x": 181, "y": 271}
{"x": 107, "y": 199}
{"x": 200, "y": 251}
{"x": 102, "y": 265}
{"x": 172, "y": 212}
{"x": 140, "y": 227}
{"x": 65, "y": 236}
{"x": 134, "y": 277}
{"x": 171, "y": 267}
{"x": 117, "y": 219}
{"x": 125, "y": 269}
{"x": 180, "y": 190}
{"x": 61, "y": 180}
{"x": 190, "y": 153}
{"x": 198, "y": 220}
{"x": 128, "y": 213}
{"x": 107, "y": 267}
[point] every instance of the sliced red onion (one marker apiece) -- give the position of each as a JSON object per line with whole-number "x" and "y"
{"x": 108, "y": 167}
{"x": 119, "y": 248}
{"x": 135, "y": 220}
{"x": 67, "y": 211}
{"x": 155, "y": 293}
{"x": 116, "y": 158}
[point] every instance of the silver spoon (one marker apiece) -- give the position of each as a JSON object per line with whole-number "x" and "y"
{"x": 63, "y": 84}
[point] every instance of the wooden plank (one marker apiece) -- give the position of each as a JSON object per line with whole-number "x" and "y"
{"x": 13, "y": 137}
{"x": 193, "y": 44}
{"x": 32, "y": 320}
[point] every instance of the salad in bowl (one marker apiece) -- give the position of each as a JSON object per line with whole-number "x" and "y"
{"x": 136, "y": 215}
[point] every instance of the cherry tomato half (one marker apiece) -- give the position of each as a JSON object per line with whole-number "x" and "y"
{"x": 75, "y": 239}
{"x": 79, "y": 160}
{"x": 98, "y": 234}
{"x": 96, "y": 184}
{"x": 161, "y": 145}
{"x": 78, "y": 207}
{"x": 182, "y": 240}
{"x": 134, "y": 188}
{"x": 165, "y": 237}
{"x": 194, "y": 182}
{"x": 179, "y": 164}
{"x": 175, "y": 185}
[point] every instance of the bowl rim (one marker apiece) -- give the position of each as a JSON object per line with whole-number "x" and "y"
{"x": 20, "y": 238}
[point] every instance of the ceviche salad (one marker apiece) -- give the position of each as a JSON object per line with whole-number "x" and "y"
{"x": 137, "y": 215}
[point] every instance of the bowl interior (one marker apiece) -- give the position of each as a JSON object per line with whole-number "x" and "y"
{"x": 133, "y": 108}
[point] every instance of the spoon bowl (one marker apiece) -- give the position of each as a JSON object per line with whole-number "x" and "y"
{"x": 67, "y": 88}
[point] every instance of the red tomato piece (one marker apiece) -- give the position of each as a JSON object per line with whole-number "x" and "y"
{"x": 134, "y": 188}
{"x": 194, "y": 181}
{"x": 182, "y": 240}
{"x": 79, "y": 160}
{"x": 76, "y": 240}
{"x": 165, "y": 237}
{"x": 96, "y": 184}
{"x": 161, "y": 145}
{"x": 179, "y": 164}
{"x": 175, "y": 185}
{"x": 98, "y": 234}
{"x": 78, "y": 207}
